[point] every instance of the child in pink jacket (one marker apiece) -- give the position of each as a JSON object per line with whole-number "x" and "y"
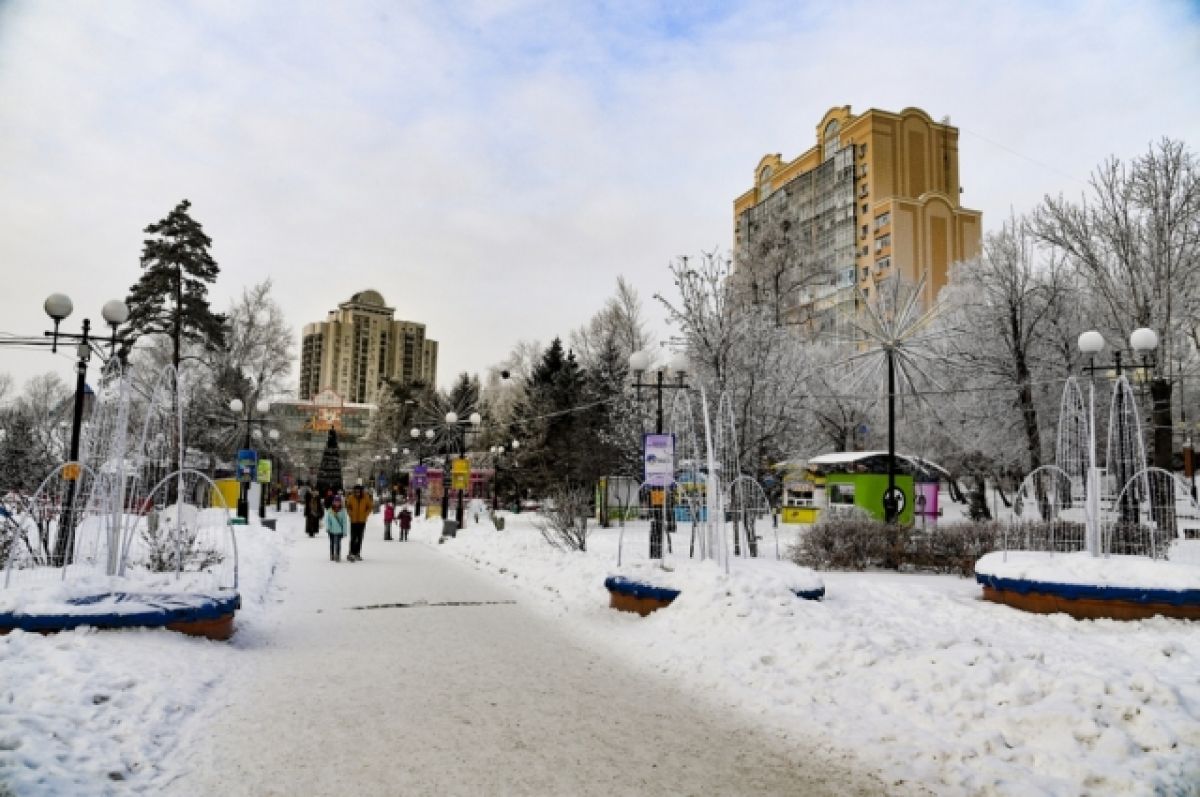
{"x": 389, "y": 513}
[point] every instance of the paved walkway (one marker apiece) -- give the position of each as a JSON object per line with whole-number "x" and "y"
{"x": 483, "y": 699}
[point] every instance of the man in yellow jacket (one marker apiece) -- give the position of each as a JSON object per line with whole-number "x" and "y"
{"x": 359, "y": 506}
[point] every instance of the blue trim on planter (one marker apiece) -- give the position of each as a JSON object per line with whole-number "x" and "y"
{"x": 1171, "y": 597}
{"x": 810, "y": 594}
{"x": 164, "y": 609}
{"x": 637, "y": 589}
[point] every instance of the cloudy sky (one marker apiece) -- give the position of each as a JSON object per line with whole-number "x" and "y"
{"x": 492, "y": 167}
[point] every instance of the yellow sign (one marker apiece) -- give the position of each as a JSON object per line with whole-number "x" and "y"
{"x": 460, "y": 474}
{"x": 70, "y": 471}
{"x": 656, "y": 497}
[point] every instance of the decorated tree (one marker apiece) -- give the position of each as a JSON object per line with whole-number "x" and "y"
{"x": 329, "y": 475}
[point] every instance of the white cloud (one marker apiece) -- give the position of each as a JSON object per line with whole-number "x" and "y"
{"x": 492, "y": 168}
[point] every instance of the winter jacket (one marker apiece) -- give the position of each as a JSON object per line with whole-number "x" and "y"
{"x": 359, "y": 506}
{"x": 405, "y": 519}
{"x": 337, "y": 522}
{"x": 389, "y": 513}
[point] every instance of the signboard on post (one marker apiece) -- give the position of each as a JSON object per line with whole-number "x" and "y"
{"x": 264, "y": 471}
{"x": 658, "y": 460}
{"x": 247, "y": 459}
{"x": 420, "y": 477}
{"x": 460, "y": 474}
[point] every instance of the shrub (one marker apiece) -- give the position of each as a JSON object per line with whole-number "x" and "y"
{"x": 565, "y": 519}
{"x": 856, "y": 542}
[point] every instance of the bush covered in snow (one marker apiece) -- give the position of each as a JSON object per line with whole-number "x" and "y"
{"x": 858, "y": 541}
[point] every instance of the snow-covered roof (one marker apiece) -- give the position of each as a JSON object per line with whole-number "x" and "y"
{"x": 830, "y": 462}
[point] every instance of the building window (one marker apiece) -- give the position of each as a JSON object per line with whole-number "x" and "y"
{"x": 882, "y": 242}
{"x": 866, "y": 251}
{"x": 883, "y": 220}
{"x": 864, "y": 231}
{"x": 864, "y": 272}
{"x": 832, "y": 140}
{"x": 764, "y": 183}
{"x": 862, "y": 170}
{"x": 865, "y": 211}
{"x": 862, "y": 150}
{"x": 883, "y": 263}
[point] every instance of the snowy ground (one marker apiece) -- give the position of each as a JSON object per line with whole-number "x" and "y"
{"x": 915, "y": 673}
{"x": 95, "y": 713}
{"x": 913, "y": 677}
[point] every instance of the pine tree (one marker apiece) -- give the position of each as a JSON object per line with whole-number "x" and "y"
{"x": 170, "y": 298}
{"x": 329, "y": 475}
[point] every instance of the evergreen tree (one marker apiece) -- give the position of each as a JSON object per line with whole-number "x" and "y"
{"x": 170, "y": 298}
{"x": 329, "y": 475}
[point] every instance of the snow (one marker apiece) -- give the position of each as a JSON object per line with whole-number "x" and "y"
{"x": 1081, "y": 568}
{"x": 94, "y": 713}
{"x": 693, "y": 577}
{"x": 911, "y": 676}
{"x": 915, "y": 673}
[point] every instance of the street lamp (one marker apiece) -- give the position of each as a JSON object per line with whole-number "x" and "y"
{"x": 59, "y": 306}
{"x": 1143, "y": 341}
{"x": 418, "y": 484}
{"x": 236, "y": 407}
{"x": 460, "y": 427}
{"x": 498, "y": 453}
{"x": 639, "y": 363}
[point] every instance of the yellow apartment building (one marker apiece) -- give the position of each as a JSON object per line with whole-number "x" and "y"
{"x": 876, "y": 198}
{"x": 359, "y": 346}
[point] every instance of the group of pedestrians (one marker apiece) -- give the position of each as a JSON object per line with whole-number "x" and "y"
{"x": 342, "y": 516}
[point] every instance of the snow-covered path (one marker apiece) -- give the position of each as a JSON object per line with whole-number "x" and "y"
{"x": 484, "y": 697}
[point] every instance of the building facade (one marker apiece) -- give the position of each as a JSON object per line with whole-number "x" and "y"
{"x": 876, "y": 199}
{"x": 360, "y": 346}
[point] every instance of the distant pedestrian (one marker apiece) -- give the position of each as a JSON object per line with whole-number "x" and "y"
{"x": 405, "y": 523}
{"x": 359, "y": 505}
{"x": 328, "y": 500}
{"x": 337, "y": 523}
{"x": 312, "y": 513}
{"x": 389, "y": 514}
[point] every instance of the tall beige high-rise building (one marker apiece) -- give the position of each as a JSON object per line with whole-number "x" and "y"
{"x": 876, "y": 199}
{"x": 359, "y": 346}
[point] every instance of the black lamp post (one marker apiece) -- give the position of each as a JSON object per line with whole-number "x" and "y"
{"x": 417, "y": 435}
{"x": 1143, "y": 341}
{"x": 458, "y": 437}
{"x": 58, "y": 306}
{"x": 498, "y": 453}
{"x": 262, "y": 406}
{"x": 639, "y": 363}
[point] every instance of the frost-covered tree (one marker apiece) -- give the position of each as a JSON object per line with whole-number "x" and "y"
{"x": 1135, "y": 238}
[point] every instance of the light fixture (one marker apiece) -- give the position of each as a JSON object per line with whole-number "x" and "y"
{"x": 263, "y": 406}
{"x": 475, "y": 419}
{"x": 639, "y": 361}
{"x": 452, "y": 417}
{"x": 1143, "y": 339}
{"x": 115, "y": 312}
{"x": 58, "y": 306}
{"x": 236, "y": 405}
{"x": 1091, "y": 342}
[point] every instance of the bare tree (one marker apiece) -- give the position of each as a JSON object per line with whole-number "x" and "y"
{"x": 1135, "y": 236}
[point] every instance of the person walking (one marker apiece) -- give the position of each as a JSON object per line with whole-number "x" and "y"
{"x": 312, "y": 512}
{"x": 389, "y": 514}
{"x": 359, "y": 505}
{"x": 405, "y": 523}
{"x": 337, "y": 522}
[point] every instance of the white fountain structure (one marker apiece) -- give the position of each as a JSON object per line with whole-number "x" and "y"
{"x": 129, "y": 515}
{"x": 1092, "y": 539}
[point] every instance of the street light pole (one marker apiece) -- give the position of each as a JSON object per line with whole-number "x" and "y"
{"x": 639, "y": 363}
{"x": 58, "y": 306}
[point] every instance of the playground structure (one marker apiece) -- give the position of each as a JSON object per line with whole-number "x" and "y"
{"x": 128, "y": 534}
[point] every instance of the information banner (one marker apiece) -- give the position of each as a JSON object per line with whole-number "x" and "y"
{"x": 264, "y": 471}
{"x": 460, "y": 474}
{"x": 420, "y": 477}
{"x": 247, "y": 460}
{"x": 658, "y": 458}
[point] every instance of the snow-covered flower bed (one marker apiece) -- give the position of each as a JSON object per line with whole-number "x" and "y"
{"x": 693, "y": 577}
{"x": 88, "y": 712}
{"x": 1083, "y": 569}
{"x": 915, "y": 675}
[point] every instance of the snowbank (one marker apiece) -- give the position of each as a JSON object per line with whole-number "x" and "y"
{"x": 1083, "y": 569}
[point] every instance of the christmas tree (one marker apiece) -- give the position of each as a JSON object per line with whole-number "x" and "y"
{"x": 329, "y": 476}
